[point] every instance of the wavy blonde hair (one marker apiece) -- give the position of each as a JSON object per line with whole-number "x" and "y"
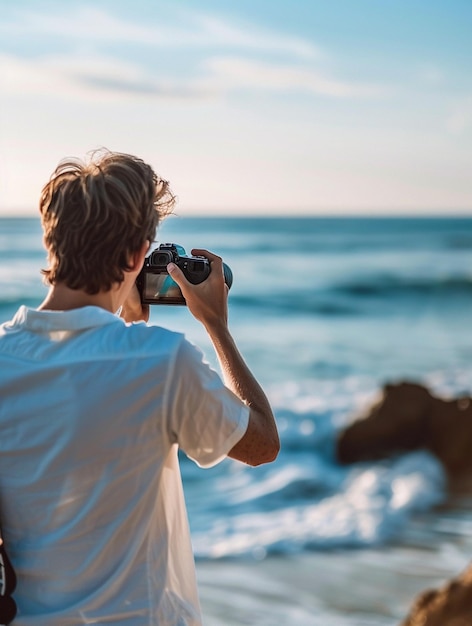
{"x": 95, "y": 214}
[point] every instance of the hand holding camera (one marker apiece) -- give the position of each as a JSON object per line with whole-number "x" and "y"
{"x": 157, "y": 286}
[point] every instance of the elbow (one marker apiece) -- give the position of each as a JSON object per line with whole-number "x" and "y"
{"x": 274, "y": 451}
{"x": 259, "y": 445}
{"x": 268, "y": 455}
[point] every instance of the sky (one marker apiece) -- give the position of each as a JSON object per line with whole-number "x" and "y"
{"x": 252, "y": 107}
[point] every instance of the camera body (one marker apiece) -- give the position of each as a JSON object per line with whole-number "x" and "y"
{"x": 156, "y": 286}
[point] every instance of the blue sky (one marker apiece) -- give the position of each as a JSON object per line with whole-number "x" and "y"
{"x": 308, "y": 107}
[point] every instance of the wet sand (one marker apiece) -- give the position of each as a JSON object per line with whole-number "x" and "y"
{"x": 370, "y": 587}
{"x": 360, "y": 588}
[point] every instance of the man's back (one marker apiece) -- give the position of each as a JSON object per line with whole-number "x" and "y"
{"x": 92, "y": 506}
{"x": 93, "y": 411}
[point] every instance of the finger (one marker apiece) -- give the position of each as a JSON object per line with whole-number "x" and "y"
{"x": 213, "y": 258}
{"x": 177, "y": 274}
{"x": 216, "y": 262}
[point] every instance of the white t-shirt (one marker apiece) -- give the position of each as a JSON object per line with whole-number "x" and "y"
{"x": 92, "y": 412}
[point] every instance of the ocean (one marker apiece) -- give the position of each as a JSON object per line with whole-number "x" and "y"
{"x": 325, "y": 311}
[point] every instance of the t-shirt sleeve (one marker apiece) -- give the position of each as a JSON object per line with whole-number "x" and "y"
{"x": 205, "y": 418}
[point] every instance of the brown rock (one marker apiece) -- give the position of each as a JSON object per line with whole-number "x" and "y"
{"x": 408, "y": 417}
{"x": 449, "y": 606}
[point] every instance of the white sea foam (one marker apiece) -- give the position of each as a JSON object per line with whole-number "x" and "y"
{"x": 306, "y": 500}
{"x": 371, "y": 504}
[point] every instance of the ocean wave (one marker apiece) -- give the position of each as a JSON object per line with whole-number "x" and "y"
{"x": 294, "y": 303}
{"x": 306, "y": 500}
{"x": 391, "y": 286}
{"x": 9, "y": 306}
{"x": 346, "y": 299}
{"x": 370, "y": 506}
{"x": 459, "y": 242}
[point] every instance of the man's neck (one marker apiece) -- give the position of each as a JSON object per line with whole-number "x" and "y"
{"x": 62, "y": 298}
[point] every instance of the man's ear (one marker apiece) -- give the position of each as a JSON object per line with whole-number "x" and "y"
{"x": 137, "y": 258}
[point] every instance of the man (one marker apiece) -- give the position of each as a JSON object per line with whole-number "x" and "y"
{"x": 94, "y": 407}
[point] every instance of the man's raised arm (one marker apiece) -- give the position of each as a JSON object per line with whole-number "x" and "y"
{"x": 207, "y": 302}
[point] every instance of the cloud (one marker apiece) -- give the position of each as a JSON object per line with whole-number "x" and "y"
{"x": 86, "y": 78}
{"x": 249, "y": 36}
{"x": 430, "y": 75}
{"x": 185, "y": 29}
{"x": 233, "y": 73}
{"x": 81, "y": 23}
{"x": 91, "y": 76}
{"x": 233, "y": 56}
{"x": 460, "y": 118}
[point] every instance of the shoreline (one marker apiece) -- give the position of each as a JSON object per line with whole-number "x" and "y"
{"x": 368, "y": 587}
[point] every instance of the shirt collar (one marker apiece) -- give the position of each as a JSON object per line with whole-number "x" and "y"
{"x": 73, "y": 320}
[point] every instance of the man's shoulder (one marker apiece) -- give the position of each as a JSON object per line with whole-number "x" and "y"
{"x": 142, "y": 339}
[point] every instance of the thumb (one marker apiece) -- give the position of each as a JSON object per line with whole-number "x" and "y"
{"x": 176, "y": 274}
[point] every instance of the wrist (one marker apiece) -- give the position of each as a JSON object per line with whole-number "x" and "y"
{"x": 217, "y": 330}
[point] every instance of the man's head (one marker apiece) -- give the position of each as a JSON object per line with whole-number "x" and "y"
{"x": 96, "y": 215}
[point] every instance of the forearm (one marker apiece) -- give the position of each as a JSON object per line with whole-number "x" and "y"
{"x": 236, "y": 374}
{"x": 261, "y": 442}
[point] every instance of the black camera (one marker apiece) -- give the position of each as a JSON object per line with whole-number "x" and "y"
{"x": 156, "y": 286}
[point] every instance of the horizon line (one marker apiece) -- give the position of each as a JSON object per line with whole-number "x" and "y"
{"x": 322, "y": 215}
